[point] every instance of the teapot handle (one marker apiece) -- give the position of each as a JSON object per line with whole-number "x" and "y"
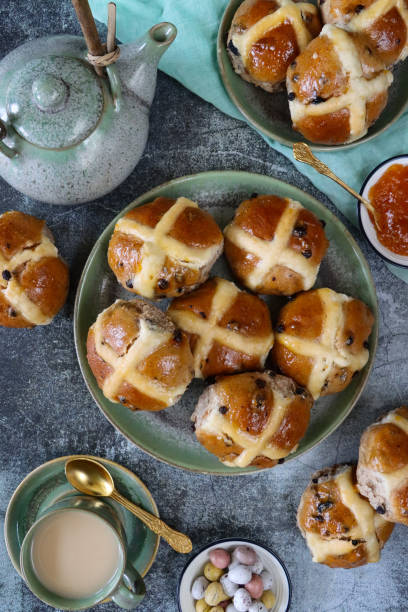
{"x": 8, "y": 151}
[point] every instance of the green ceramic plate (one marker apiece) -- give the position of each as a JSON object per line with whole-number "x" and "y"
{"x": 269, "y": 113}
{"x": 167, "y": 434}
{"x": 47, "y": 484}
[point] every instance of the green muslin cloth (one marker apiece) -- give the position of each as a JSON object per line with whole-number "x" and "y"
{"x": 192, "y": 60}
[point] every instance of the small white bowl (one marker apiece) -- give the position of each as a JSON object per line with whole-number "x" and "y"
{"x": 364, "y": 218}
{"x": 272, "y": 563}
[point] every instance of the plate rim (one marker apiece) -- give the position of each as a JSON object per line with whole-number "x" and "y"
{"x": 64, "y": 458}
{"x": 208, "y": 174}
{"x": 269, "y": 133}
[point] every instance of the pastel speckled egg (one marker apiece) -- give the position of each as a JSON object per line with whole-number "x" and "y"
{"x": 268, "y": 580}
{"x": 214, "y": 594}
{"x": 211, "y": 572}
{"x": 198, "y": 587}
{"x": 255, "y": 586}
{"x": 240, "y": 574}
{"x": 230, "y": 588}
{"x": 202, "y": 606}
{"x": 268, "y": 598}
{"x": 217, "y": 609}
{"x": 242, "y": 600}
{"x": 220, "y": 557}
{"x": 258, "y": 566}
{"x": 245, "y": 555}
{"x": 231, "y": 608}
{"x": 257, "y": 606}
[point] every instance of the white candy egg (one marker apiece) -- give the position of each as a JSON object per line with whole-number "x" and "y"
{"x": 268, "y": 580}
{"x": 198, "y": 587}
{"x": 258, "y": 566}
{"x": 231, "y": 608}
{"x": 257, "y": 606}
{"x": 245, "y": 555}
{"x": 240, "y": 574}
{"x": 230, "y": 588}
{"x": 242, "y": 600}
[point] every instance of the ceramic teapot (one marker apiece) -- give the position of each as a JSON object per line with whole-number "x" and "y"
{"x": 67, "y": 135}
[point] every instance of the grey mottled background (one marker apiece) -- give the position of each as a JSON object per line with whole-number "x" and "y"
{"x": 47, "y": 412}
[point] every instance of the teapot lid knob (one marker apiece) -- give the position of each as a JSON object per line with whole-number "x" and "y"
{"x": 49, "y": 92}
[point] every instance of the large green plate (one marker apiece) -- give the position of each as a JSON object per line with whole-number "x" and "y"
{"x": 167, "y": 434}
{"x": 269, "y": 113}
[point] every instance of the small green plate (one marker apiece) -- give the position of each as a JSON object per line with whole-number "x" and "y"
{"x": 269, "y": 113}
{"x": 167, "y": 434}
{"x": 47, "y": 484}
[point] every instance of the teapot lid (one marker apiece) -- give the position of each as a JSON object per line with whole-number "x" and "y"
{"x": 54, "y": 102}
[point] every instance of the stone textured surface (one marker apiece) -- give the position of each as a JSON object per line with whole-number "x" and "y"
{"x": 46, "y": 410}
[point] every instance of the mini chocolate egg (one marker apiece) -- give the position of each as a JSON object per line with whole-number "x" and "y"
{"x": 240, "y": 574}
{"x": 220, "y": 557}
{"x": 268, "y": 580}
{"x": 198, "y": 587}
{"x": 231, "y": 608}
{"x": 245, "y": 555}
{"x": 257, "y": 606}
{"x": 211, "y": 572}
{"x": 230, "y": 588}
{"x": 214, "y": 594}
{"x": 202, "y": 606}
{"x": 217, "y": 609}
{"x": 258, "y": 566}
{"x": 255, "y": 586}
{"x": 268, "y": 598}
{"x": 242, "y": 600}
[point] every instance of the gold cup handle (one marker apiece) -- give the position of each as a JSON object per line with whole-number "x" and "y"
{"x": 178, "y": 541}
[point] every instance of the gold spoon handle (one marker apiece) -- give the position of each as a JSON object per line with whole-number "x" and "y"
{"x": 302, "y": 152}
{"x": 178, "y": 541}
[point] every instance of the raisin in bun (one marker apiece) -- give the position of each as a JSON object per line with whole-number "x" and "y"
{"x": 230, "y": 330}
{"x": 339, "y": 525}
{"x": 382, "y": 470}
{"x": 164, "y": 248}
{"x": 321, "y": 340}
{"x": 255, "y": 418}
{"x": 274, "y": 245}
{"x": 34, "y": 280}
{"x": 138, "y": 356}
{"x": 382, "y": 25}
{"x": 337, "y": 88}
{"x": 266, "y": 36}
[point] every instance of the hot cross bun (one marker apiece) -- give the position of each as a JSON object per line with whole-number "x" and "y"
{"x": 321, "y": 340}
{"x": 138, "y": 356}
{"x": 274, "y": 245}
{"x": 382, "y": 471}
{"x": 339, "y": 525}
{"x": 267, "y": 35}
{"x": 382, "y": 24}
{"x": 164, "y": 248}
{"x": 230, "y": 330}
{"x": 337, "y": 88}
{"x": 33, "y": 278}
{"x": 255, "y": 418}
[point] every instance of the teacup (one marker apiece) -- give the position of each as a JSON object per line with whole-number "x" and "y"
{"x": 74, "y": 556}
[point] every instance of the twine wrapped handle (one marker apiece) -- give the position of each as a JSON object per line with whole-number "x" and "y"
{"x": 112, "y": 52}
{"x": 104, "y": 60}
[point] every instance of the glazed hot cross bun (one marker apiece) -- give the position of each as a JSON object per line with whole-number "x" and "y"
{"x": 382, "y": 470}
{"x": 382, "y": 24}
{"x": 274, "y": 245}
{"x": 33, "y": 278}
{"x": 337, "y": 88}
{"x": 267, "y": 35}
{"x": 339, "y": 525}
{"x": 321, "y": 340}
{"x": 164, "y": 248}
{"x": 138, "y": 356}
{"x": 255, "y": 418}
{"x": 230, "y": 330}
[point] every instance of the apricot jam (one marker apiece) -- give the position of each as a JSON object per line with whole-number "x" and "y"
{"x": 389, "y": 196}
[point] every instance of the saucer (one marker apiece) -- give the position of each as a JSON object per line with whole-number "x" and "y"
{"x": 47, "y": 484}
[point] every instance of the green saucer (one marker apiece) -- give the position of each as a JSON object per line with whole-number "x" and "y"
{"x": 47, "y": 484}
{"x": 167, "y": 434}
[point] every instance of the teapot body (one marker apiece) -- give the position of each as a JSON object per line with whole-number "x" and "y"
{"x": 87, "y": 164}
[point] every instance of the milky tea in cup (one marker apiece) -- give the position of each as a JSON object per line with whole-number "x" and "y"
{"x": 75, "y": 553}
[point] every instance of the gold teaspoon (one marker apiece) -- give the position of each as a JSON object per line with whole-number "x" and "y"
{"x": 92, "y": 478}
{"x": 302, "y": 152}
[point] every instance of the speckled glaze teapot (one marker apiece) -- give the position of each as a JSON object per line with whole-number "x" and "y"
{"x": 67, "y": 135}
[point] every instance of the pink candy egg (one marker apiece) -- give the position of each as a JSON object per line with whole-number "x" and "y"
{"x": 255, "y": 586}
{"x": 220, "y": 558}
{"x": 245, "y": 555}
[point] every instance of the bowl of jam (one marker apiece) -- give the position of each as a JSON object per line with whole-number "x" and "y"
{"x": 386, "y": 187}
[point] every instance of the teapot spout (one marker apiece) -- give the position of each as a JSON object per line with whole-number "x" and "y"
{"x": 138, "y": 61}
